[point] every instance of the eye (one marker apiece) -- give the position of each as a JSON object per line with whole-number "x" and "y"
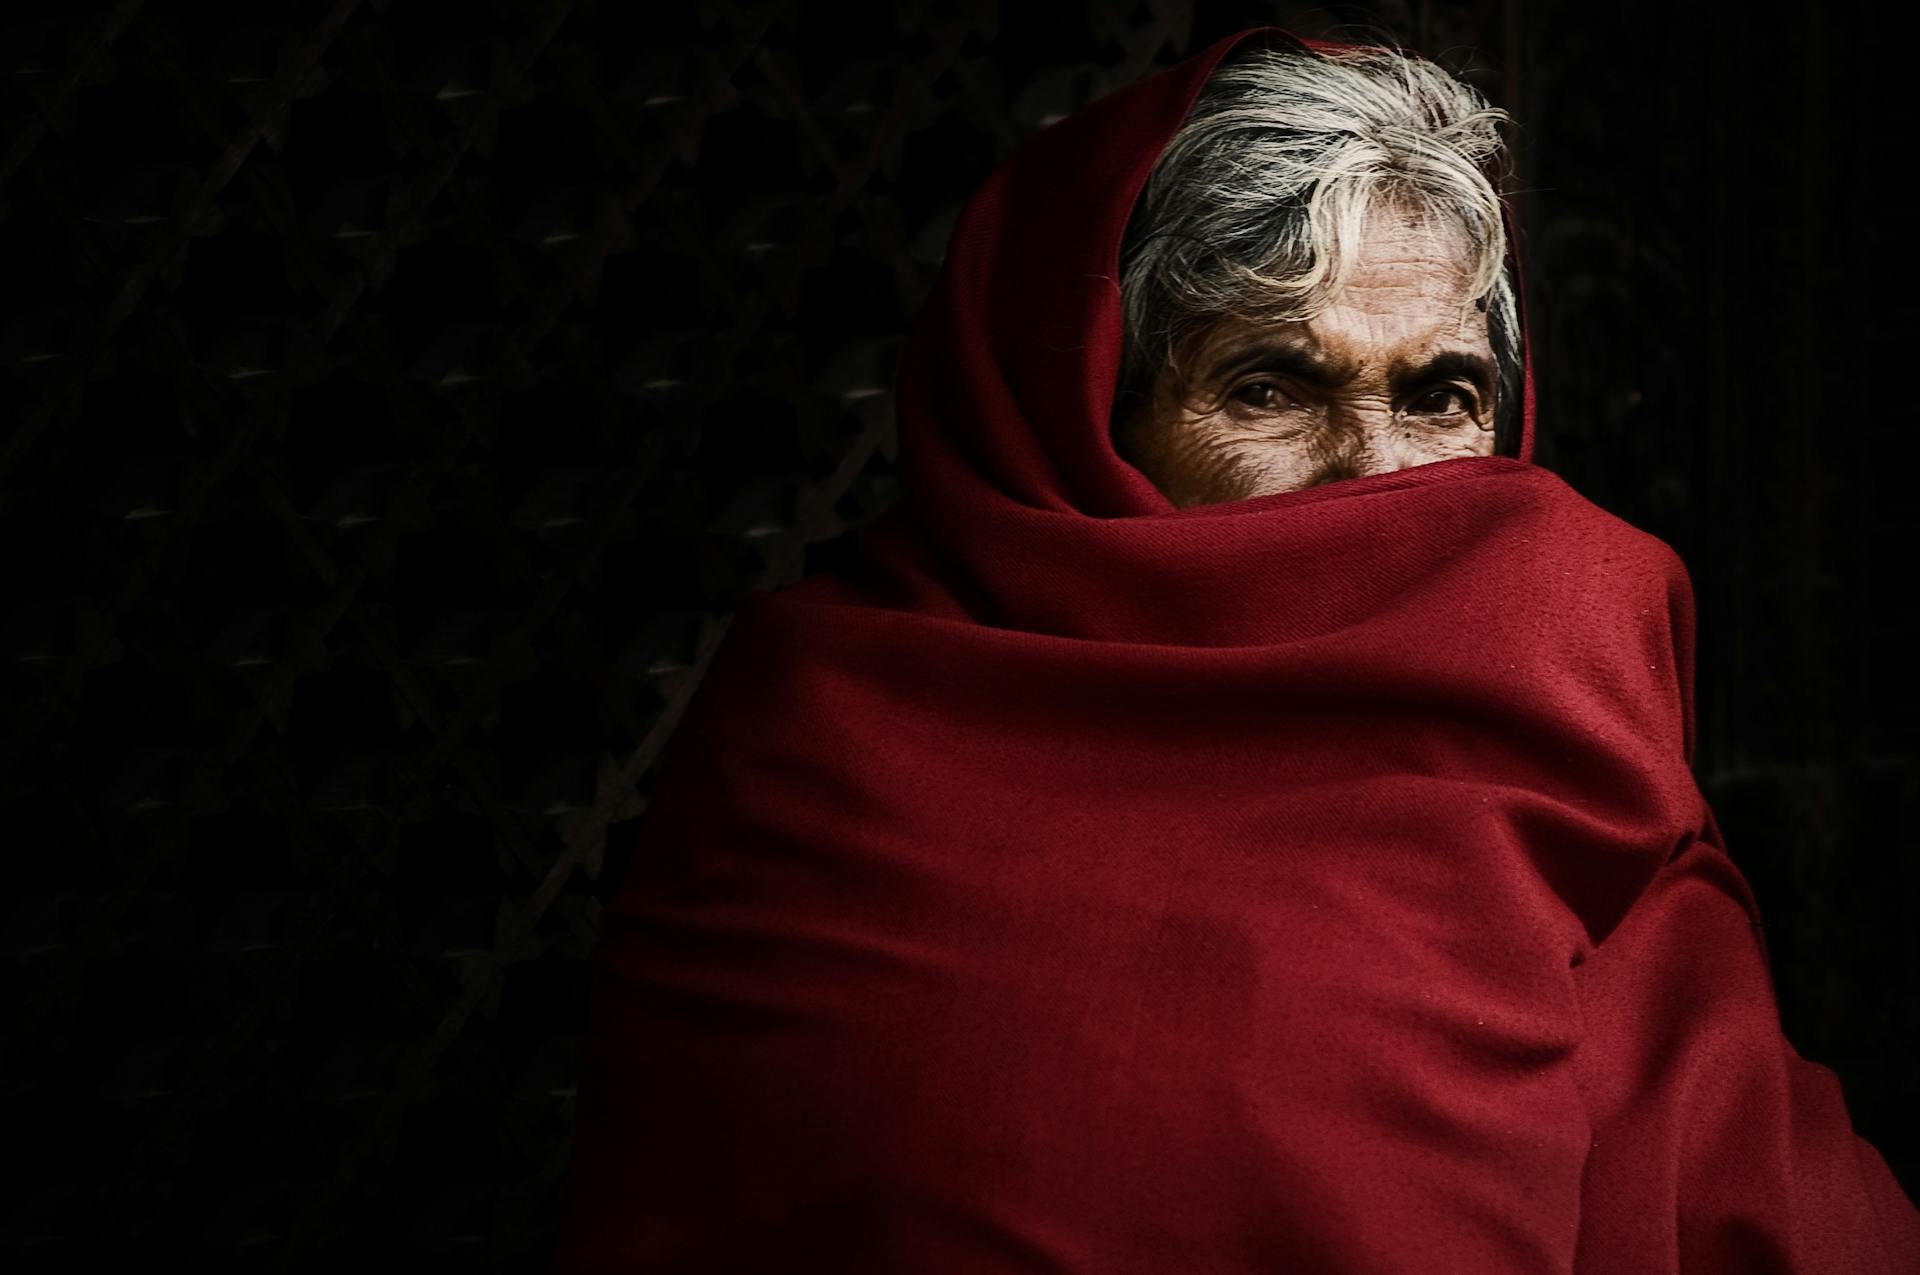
{"x": 1263, "y": 396}
{"x": 1443, "y": 400}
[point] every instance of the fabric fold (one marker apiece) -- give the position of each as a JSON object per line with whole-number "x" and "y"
{"x": 1310, "y": 882}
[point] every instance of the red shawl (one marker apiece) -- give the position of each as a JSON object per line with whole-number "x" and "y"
{"x": 1313, "y": 882}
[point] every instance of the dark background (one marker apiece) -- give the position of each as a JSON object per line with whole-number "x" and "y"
{"x": 400, "y": 397}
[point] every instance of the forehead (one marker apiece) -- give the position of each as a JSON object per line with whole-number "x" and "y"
{"x": 1394, "y": 239}
{"x": 1409, "y": 285}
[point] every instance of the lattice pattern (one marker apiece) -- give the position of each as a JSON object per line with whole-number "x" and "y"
{"x": 404, "y": 397}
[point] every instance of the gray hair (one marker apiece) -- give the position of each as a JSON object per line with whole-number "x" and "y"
{"x": 1255, "y": 207}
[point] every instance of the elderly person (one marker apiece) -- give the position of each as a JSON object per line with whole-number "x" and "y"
{"x": 1315, "y": 281}
{"x": 1237, "y": 815}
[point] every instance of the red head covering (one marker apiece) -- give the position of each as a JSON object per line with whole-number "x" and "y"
{"x": 1314, "y": 881}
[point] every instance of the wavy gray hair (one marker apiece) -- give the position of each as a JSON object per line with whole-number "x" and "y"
{"x": 1255, "y": 208}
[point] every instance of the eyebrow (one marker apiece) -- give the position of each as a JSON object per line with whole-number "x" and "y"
{"x": 1303, "y": 364}
{"x": 1292, "y": 360}
{"x": 1451, "y": 365}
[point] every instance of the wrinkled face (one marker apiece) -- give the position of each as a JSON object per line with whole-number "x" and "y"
{"x": 1397, "y": 372}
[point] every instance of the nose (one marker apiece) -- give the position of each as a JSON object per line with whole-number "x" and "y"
{"x": 1369, "y": 448}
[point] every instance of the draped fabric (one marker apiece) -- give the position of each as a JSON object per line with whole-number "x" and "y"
{"x": 1311, "y": 882}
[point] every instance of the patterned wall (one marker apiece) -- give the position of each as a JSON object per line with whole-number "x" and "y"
{"x": 401, "y": 397}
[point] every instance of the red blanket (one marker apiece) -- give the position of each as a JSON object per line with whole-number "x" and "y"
{"x": 1315, "y": 882}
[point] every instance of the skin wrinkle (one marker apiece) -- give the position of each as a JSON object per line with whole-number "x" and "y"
{"x": 1234, "y": 436}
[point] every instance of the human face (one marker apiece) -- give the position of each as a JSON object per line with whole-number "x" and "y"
{"x": 1398, "y": 371}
